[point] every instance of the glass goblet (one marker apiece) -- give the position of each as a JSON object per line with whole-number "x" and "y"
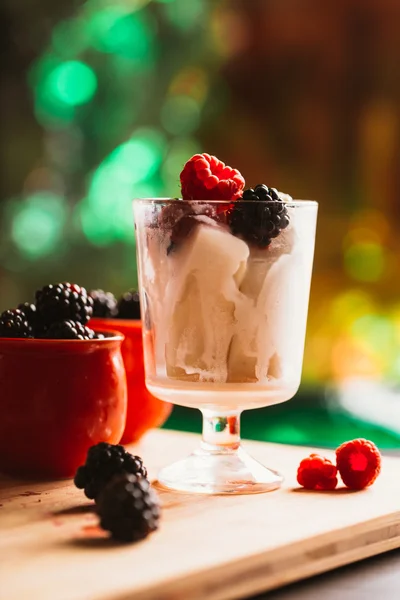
{"x": 224, "y": 306}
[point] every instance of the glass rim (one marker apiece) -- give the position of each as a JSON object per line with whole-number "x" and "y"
{"x": 160, "y": 201}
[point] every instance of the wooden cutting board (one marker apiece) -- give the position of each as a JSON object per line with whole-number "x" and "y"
{"x": 208, "y": 547}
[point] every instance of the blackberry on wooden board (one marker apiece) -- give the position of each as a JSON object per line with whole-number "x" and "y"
{"x": 128, "y": 508}
{"x": 103, "y": 462}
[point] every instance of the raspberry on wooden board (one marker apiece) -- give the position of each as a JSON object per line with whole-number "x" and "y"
{"x": 359, "y": 463}
{"x": 317, "y": 473}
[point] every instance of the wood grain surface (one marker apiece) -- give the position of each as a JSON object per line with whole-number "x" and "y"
{"x": 207, "y": 548}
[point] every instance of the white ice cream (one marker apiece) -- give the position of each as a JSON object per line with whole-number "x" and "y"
{"x": 202, "y": 294}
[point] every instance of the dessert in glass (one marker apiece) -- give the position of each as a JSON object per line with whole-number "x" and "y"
{"x": 224, "y": 282}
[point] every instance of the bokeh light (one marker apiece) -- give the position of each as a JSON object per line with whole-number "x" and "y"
{"x": 178, "y": 152}
{"x": 115, "y": 30}
{"x": 37, "y": 223}
{"x": 349, "y": 306}
{"x": 60, "y": 87}
{"x": 365, "y": 261}
{"x": 190, "y": 81}
{"x": 51, "y": 112}
{"x": 184, "y": 14}
{"x": 180, "y": 115}
{"x": 68, "y": 38}
{"x": 72, "y": 82}
{"x": 106, "y": 213}
{"x": 376, "y": 329}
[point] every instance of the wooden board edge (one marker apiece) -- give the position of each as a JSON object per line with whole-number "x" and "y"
{"x": 274, "y": 569}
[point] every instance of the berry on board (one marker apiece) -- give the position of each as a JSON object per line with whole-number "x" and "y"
{"x": 103, "y": 462}
{"x": 359, "y": 463}
{"x": 128, "y": 508}
{"x": 317, "y": 473}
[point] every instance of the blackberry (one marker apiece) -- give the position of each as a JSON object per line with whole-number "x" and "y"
{"x": 103, "y": 462}
{"x": 68, "y": 330}
{"x": 260, "y": 220}
{"x": 29, "y": 311}
{"x": 128, "y": 508}
{"x": 129, "y": 306}
{"x": 33, "y": 319}
{"x": 63, "y": 301}
{"x": 14, "y": 324}
{"x": 104, "y": 304}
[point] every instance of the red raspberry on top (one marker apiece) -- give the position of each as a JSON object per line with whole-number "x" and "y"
{"x": 317, "y": 473}
{"x": 359, "y": 463}
{"x": 204, "y": 177}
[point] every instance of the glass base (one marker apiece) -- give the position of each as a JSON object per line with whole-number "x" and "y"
{"x": 219, "y": 472}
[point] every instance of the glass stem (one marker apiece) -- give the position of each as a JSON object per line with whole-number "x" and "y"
{"x": 221, "y": 433}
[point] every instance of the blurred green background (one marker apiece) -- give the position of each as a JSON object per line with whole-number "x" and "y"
{"x": 104, "y": 100}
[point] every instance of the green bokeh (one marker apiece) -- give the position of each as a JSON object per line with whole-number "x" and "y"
{"x": 184, "y": 14}
{"x": 106, "y": 213}
{"x": 377, "y": 329}
{"x": 365, "y": 261}
{"x": 60, "y": 87}
{"x": 69, "y": 38}
{"x": 113, "y": 30}
{"x": 50, "y": 111}
{"x": 180, "y": 115}
{"x": 72, "y": 82}
{"x": 178, "y": 152}
{"x": 37, "y": 224}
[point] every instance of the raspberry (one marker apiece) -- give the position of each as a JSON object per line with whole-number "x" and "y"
{"x": 204, "y": 177}
{"x": 359, "y": 463}
{"x": 317, "y": 473}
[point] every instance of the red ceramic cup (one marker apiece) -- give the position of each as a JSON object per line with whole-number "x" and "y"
{"x": 58, "y": 398}
{"x": 144, "y": 410}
